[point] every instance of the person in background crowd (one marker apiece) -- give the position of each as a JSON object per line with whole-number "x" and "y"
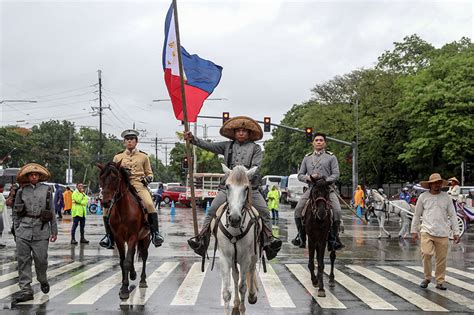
{"x": 454, "y": 189}
{"x": 437, "y": 210}
{"x": 359, "y": 198}
{"x": 3, "y": 212}
{"x": 58, "y": 201}
{"x": 67, "y": 197}
{"x": 158, "y": 196}
{"x": 79, "y": 209}
{"x": 405, "y": 195}
{"x": 273, "y": 197}
{"x": 34, "y": 223}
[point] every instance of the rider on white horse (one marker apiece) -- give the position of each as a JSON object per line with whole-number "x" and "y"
{"x": 241, "y": 150}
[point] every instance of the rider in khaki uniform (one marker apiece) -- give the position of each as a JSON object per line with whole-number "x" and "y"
{"x": 138, "y": 164}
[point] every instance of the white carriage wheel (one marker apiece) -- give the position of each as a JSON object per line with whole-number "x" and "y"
{"x": 461, "y": 226}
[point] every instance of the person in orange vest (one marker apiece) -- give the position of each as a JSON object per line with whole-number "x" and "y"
{"x": 359, "y": 199}
{"x": 67, "y": 196}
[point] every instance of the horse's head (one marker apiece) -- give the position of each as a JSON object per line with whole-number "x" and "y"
{"x": 319, "y": 196}
{"x": 238, "y": 192}
{"x": 109, "y": 181}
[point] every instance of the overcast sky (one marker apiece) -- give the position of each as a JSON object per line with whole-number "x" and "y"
{"x": 273, "y": 53}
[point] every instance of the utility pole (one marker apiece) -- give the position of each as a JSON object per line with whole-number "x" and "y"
{"x": 156, "y": 153}
{"x": 166, "y": 155}
{"x": 100, "y": 114}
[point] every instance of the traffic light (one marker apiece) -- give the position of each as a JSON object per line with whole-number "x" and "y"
{"x": 309, "y": 134}
{"x": 225, "y": 117}
{"x": 266, "y": 124}
{"x": 184, "y": 163}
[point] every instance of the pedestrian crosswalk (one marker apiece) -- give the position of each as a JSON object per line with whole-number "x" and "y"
{"x": 284, "y": 287}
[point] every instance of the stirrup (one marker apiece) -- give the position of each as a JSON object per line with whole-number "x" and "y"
{"x": 199, "y": 244}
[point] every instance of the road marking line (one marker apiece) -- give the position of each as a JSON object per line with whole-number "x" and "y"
{"x": 410, "y": 296}
{"x": 303, "y": 276}
{"x": 96, "y": 292}
{"x": 8, "y": 265}
{"x": 4, "y": 292}
{"x": 461, "y": 272}
{"x": 462, "y": 284}
{"x": 471, "y": 268}
{"x": 188, "y": 291}
{"x": 14, "y": 274}
{"x": 140, "y": 296}
{"x": 453, "y": 296}
{"x": 365, "y": 295}
{"x": 274, "y": 289}
{"x": 60, "y": 287}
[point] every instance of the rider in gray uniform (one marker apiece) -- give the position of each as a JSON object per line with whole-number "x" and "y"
{"x": 241, "y": 150}
{"x": 320, "y": 164}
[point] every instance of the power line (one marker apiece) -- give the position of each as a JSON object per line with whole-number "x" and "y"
{"x": 63, "y": 92}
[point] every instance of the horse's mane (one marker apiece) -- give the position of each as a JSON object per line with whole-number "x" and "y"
{"x": 238, "y": 176}
{"x": 377, "y": 195}
{"x": 320, "y": 189}
{"x": 125, "y": 175}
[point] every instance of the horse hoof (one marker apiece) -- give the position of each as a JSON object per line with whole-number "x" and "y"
{"x": 321, "y": 293}
{"x": 124, "y": 294}
{"x": 143, "y": 284}
{"x": 315, "y": 284}
{"x": 133, "y": 275}
{"x": 379, "y": 237}
{"x": 389, "y": 236}
{"x": 332, "y": 284}
{"x": 252, "y": 299}
{"x": 235, "y": 311}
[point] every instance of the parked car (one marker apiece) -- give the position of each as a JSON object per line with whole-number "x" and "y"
{"x": 295, "y": 189}
{"x": 172, "y": 194}
{"x": 154, "y": 186}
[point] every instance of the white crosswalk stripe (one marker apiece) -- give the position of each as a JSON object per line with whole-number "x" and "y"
{"x": 453, "y": 281}
{"x": 276, "y": 293}
{"x": 461, "y": 272}
{"x": 99, "y": 290}
{"x": 303, "y": 276}
{"x": 410, "y": 296}
{"x": 453, "y": 296}
{"x": 11, "y": 289}
{"x": 14, "y": 274}
{"x": 58, "y": 288}
{"x": 139, "y": 296}
{"x": 368, "y": 297}
{"x": 8, "y": 265}
{"x": 188, "y": 291}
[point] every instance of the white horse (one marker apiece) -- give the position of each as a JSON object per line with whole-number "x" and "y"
{"x": 404, "y": 211}
{"x": 380, "y": 211}
{"x": 237, "y": 238}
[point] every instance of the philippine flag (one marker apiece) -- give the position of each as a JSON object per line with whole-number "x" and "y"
{"x": 200, "y": 76}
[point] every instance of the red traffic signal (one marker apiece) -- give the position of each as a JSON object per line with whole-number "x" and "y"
{"x": 266, "y": 124}
{"x": 225, "y": 117}
{"x": 184, "y": 163}
{"x": 309, "y": 134}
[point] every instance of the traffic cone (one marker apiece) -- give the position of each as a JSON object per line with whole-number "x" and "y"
{"x": 208, "y": 204}
{"x": 173, "y": 209}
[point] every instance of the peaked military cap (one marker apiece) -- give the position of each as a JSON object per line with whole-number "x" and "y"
{"x": 130, "y": 133}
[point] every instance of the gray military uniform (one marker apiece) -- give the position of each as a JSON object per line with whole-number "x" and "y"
{"x": 325, "y": 164}
{"x": 32, "y": 236}
{"x": 248, "y": 154}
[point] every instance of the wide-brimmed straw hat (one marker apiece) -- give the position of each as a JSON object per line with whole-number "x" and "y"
{"x": 453, "y": 179}
{"x": 435, "y": 177}
{"x": 255, "y": 131}
{"x": 22, "y": 175}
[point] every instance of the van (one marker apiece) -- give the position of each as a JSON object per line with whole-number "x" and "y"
{"x": 295, "y": 189}
{"x": 275, "y": 180}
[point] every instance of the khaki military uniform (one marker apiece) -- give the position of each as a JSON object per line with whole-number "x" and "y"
{"x": 139, "y": 165}
{"x": 325, "y": 164}
{"x": 32, "y": 235}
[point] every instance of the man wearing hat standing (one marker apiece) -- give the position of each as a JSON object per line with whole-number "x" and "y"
{"x": 454, "y": 189}
{"x": 437, "y": 210}
{"x": 241, "y": 150}
{"x": 323, "y": 165}
{"x": 34, "y": 223}
{"x": 138, "y": 163}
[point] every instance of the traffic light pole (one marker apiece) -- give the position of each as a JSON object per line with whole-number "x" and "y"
{"x": 353, "y": 145}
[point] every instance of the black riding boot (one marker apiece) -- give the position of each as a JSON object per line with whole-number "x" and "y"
{"x": 271, "y": 244}
{"x": 300, "y": 239}
{"x": 108, "y": 240}
{"x": 200, "y": 242}
{"x": 156, "y": 237}
{"x": 334, "y": 243}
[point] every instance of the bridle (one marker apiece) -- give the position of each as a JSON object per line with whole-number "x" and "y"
{"x": 314, "y": 206}
{"x": 117, "y": 194}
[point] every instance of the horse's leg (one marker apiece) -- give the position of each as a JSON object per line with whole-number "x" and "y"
{"x": 225, "y": 274}
{"x": 382, "y": 224}
{"x": 332, "y": 256}
{"x": 235, "y": 277}
{"x": 252, "y": 281}
{"x": 321, "y": 246}
{"x": 124, "y": 292}
{"x": 311, "y": 249}
{"x": 131, "y": 252}
{"x": 143, "y": 248}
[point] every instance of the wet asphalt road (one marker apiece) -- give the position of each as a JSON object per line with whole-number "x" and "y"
{"x": 373, "y": 276}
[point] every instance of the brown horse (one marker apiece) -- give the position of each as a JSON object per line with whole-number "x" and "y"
{"x": 317, "y": 222}
{"x": 127, "y": 221}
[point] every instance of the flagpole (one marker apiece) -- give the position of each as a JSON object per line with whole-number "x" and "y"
{"x": 185, "y": 118}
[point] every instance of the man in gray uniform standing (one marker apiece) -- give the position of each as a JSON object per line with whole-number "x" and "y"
{"x": 241, "y": 150}
{"x": 320, "y": 164}
{"x": 34, "y": 224}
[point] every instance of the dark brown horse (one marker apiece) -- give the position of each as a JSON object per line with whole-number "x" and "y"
{"x": 317, "y": 222}
{"x": 127, "y": 221}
